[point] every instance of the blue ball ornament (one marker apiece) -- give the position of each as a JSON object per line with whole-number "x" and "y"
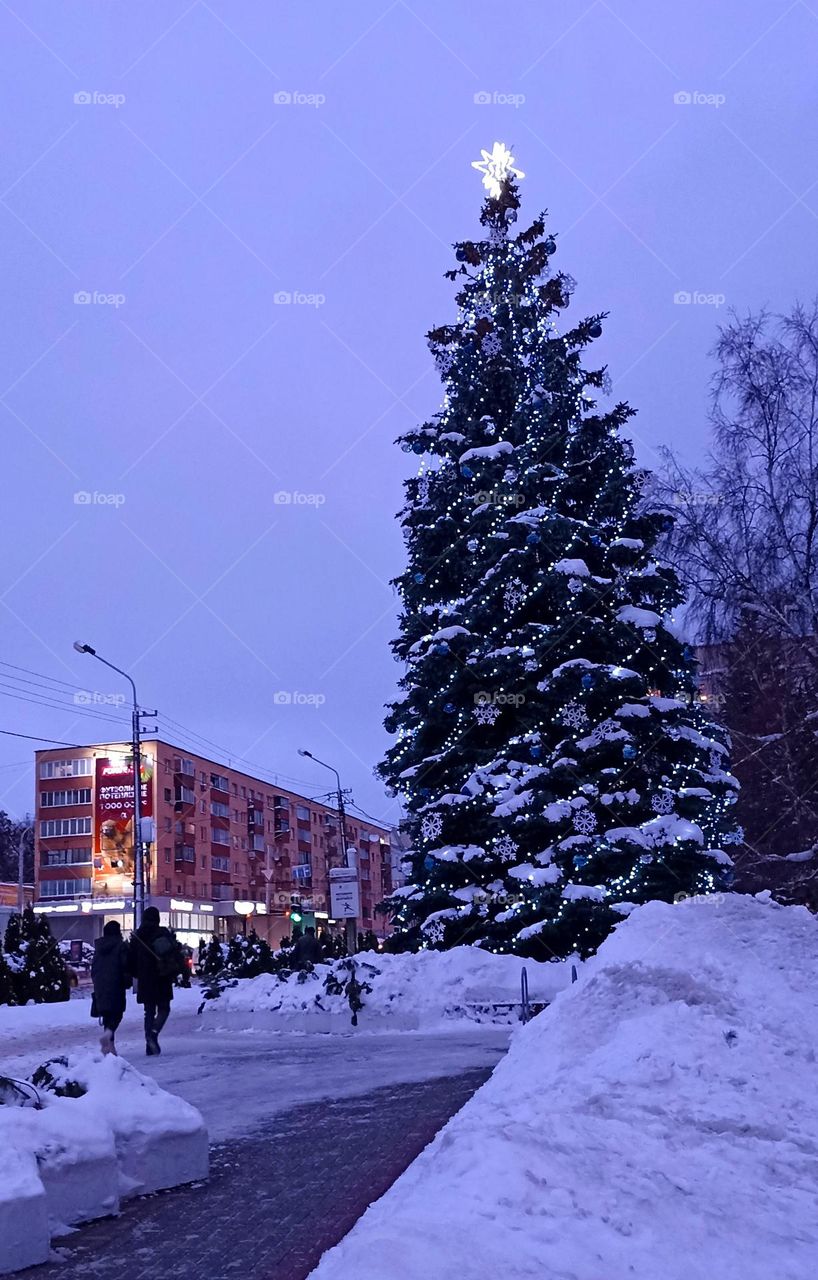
{"x": 420, "y": 577}
{"x": 580, "y": 861}
{"x": 550, "y": 245}
{"x": 429, "y": 862}
{"x": 449, "y": 708}
{"x": 629, "y": 752}
{"x": 587, "y": 681}
{"x": 536, "y": 752}
{"x": 467, "y": 472}
{"x": 595, "y": 330}
{"x": 533, "y": 539}
{"x": 418, "y": 447}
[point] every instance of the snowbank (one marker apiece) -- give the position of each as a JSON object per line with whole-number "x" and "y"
{"x": 660, "y": 1120}
{"x": 77, "y": 1157}
{"x": 408, "y": 992}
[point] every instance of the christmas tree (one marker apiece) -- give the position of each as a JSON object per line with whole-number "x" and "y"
{"x": 39, "y": 971}
{"x": 555, "y": 765}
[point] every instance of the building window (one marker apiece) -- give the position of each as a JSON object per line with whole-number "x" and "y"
{"x": 167, "y": 884}
{"x": 258, "y": 843}
{"x": 219, "y": 863}
{"x": 302, "y": 813}
{"x": 65, "y": 768}
{"x": 65, "y": 827}
{"x": 204, "y": 860}
{"x": 167, "y": 855}
{"x": 65, "y": 888}
{"x": 64, "y": 857}
{"x": 218, "y": 836}
{"x": 219, "y": 810}
{"x": 218, "y": 782}
{"x": 78, "y": 795}
{"x": 185, "y": 795}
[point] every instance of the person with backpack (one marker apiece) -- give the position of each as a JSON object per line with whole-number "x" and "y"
{"x": 111, "y": 978}
{"x": 155, "y": 959}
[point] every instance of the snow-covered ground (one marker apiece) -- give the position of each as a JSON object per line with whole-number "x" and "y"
{"x": 240, "y": 1079}
{"x": 428, "y": 990}
{"x": 658, "y": 1122}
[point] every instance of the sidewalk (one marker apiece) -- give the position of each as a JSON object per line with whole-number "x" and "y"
{"x": 275, "y": 1201}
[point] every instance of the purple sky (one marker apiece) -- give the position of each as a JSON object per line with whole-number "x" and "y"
{"x": 196, "y": 399}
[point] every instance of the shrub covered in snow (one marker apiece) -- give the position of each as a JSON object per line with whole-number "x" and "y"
{"x": 425, "y": 987}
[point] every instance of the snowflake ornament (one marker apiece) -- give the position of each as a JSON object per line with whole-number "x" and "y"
{"x": 603, "y": 730}
{"x": 734, "y": 837}
{"x": 431, "y": 826}
{"x": 486, "y": 712}
{"x": 662, "y": 802}
{"x": 496, "y": 166}
{"x": 492, "y": 346}
{"x": 584, "y": 822}
{"x": 423, "y": 489}
{"x": 574, "y": 586}
{"x": 443, "y": 361}
{"x": 472, "y": 544}
{"x": 434, "y": 930}
{"x": 482, "y": 309}
{"x": 649, "y": 635}
{"x": 513, "y": 594}
{"x": 715, "y": 762}
{"x": 506, "y": 848}
{"x": 574, "y": 716}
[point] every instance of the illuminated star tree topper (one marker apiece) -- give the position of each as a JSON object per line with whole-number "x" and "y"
{"x": 496, "y": 166}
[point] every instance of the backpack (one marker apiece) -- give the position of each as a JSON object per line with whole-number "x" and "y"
{"x": 169, "y": 958}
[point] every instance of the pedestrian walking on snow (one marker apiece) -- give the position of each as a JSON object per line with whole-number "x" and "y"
{"x": 155, "y": 959}
{"x": 307, "y": 949}
{"x": 111, "y": 978}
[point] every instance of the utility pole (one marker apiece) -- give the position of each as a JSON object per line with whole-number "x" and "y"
{"x": 21, "y": 847}
{"x": 136, "y": 772}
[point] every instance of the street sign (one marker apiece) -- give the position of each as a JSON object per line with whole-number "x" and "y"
{"x": 268, "y": 875}
{"x": 345, "y": 897}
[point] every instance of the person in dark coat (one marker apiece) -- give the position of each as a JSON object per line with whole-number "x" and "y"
{"x": 111, "y": 978}
{"x": 151, "y": 949}
{"x": 307, "y": 949}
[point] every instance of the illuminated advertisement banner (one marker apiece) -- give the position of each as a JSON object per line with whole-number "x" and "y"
{"x": 114, "y": 823}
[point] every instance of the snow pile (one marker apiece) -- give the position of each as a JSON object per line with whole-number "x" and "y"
{"x": 74, "y": 1157}
{"x": 658, "y": 1122}
{"x": 406, "y": 991}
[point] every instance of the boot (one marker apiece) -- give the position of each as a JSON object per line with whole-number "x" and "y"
{"x": 152, "y": 1044}
{"x": 106, "y": 1041}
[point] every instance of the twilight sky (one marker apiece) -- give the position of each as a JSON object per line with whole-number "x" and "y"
{"x": 186, "y": 164}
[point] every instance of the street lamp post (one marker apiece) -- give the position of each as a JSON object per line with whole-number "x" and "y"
{"x": 139, "y": 866}
{"x": 351, "y": 930}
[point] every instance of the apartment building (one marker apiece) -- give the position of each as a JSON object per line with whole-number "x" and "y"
{"x": 225, "y": 851}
